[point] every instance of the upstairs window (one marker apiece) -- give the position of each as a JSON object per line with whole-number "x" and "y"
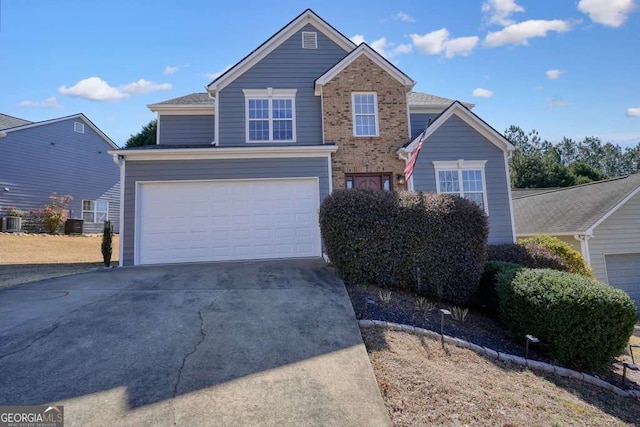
{"x": 270, "y": 115}
{"x": 95, "y": 211}
{"x": 365, "y": 114}
{"x": 464, "y": 178}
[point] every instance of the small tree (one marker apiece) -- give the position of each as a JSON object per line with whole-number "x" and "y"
{"x": 147, "y": 136}
{"x": 55, "y": 213}
{"x": 107, "y": 234}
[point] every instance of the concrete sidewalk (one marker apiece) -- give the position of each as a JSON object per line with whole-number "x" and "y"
{"x": 261, "y": 343}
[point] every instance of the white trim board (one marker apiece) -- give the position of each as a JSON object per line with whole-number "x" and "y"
{"x": 366, "y": 50}
{"x": 613, "y": 210}
{"x": 185, "y": 110}
{"x": 253, "y": 152}
{"x": 305, "y": 18}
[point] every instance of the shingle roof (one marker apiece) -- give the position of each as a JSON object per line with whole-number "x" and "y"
{"x": 427, "y": 99}
{"x": 517, "y": 193}
{"x": 191, "y": 99}
{"x": 7, "y": 122}
{"x": 571, "y": 209}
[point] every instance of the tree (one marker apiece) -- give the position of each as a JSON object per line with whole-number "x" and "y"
{"x": 147, "y": 136}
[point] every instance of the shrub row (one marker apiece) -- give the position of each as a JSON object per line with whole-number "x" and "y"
{"x": 580, "y": 322}
{"x": 528, "y": 255}
{"x": 386, "y": 238}
{"x": 572, "y": 259}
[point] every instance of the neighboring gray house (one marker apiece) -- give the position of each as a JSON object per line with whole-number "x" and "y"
{"x": 68, "y": 156}
{"x": 601, "y": 220}
{"x": 239, "y": 171}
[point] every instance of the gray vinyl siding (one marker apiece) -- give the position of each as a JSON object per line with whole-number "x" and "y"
{"x": 618, "y": 234}
{"x": 456, "y": 140}
{"x": 52, "y": 158}
{"x": 186, "y": 130}
{"x": 174, "y": 170}
{"x": 418, "y": 121}
{"x": 287, "y": 67}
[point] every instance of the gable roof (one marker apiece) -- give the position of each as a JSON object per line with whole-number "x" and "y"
{"x": 197, "y": 103}
{"x": 366, "y": 50}
{"x": 572, "y": 210}
{"x": 469, "y": 117}
{"x": 199, "y": 98}
{"x": 7, "y": 121}
{"x": 79, "y": 116}
{"x": 306, "y": 17}
{"x": 517, "y": 193}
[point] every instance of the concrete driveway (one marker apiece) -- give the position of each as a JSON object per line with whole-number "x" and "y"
{"x": 261, "y": 343}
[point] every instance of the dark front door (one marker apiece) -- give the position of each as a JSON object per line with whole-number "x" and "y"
{"x": 369, "y": 181}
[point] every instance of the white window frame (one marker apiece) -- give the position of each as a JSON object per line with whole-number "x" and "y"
{"x": 94, "y": 210}
{"x": 459, "y": 166}
{"x": 270, "y": 94}
{"x": 375, "y": 113}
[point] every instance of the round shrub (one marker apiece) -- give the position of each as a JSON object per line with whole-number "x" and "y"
{"x": 573, "y": 259}
{"x": 580, "y": 322}
{"x": 386, "y": 238}
{"x": 529, "y": 255}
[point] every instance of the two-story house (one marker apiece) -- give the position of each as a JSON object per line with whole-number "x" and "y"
{"x": 239, "y": 172}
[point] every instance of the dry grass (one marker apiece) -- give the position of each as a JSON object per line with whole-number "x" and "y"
{"x": 31, "y": 257}
{"x": 422, "y": 384}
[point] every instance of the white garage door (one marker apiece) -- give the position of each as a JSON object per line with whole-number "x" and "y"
{"x": 623, "y": 272}
{"x": 227, "y": 220}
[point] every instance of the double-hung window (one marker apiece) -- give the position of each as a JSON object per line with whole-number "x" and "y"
{"x": 464, "y": 178}
{"x": 365, "y": 113}
{"x": 271, "y": 115}
{"x": 95, "y": 211}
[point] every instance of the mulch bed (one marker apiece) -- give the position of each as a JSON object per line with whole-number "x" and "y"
{"x": 478, "y": 328}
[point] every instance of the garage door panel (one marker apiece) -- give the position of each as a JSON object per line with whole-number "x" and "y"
{"x": 227, "y": 220}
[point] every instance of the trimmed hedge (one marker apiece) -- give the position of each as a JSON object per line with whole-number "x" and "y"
{"x": 384, "y": 238}
{"x": 573, "y": 259}
{"x": 579, "y": 321}
{"x": 529, "y": 255}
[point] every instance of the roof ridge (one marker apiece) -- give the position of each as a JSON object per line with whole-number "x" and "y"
{"x": 572, "y": 187}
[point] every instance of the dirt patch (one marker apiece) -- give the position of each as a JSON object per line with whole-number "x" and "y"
{"x": 28, "y": 258}
{"x": 422, "y": 384}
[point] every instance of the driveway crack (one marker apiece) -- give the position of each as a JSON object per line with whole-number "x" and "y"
{"x": 203, "y": 335}
{"x": 33, "y": 341}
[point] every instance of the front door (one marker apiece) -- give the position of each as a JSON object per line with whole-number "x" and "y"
{"x": 380, "y": 181}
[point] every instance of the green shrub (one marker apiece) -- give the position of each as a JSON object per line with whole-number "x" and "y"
{"x": 529, "y": 255}
{"x": 107, "y": 234}
{"x": 386, "y": 238}
{"x": 572, "y": 259}
{"x": 486, "y": 297}
{"x": 580, "y": 322}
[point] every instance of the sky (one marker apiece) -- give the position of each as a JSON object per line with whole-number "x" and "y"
{"x": 565, "y": 67}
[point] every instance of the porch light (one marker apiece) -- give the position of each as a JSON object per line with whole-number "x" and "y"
{"x": 400, "y": 179}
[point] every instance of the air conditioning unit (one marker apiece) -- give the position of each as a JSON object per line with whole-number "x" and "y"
{"x": 12, "y": 224}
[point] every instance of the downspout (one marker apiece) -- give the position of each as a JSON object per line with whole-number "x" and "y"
{"x": 584, "y": 246}
{"x": 406, "y": 156}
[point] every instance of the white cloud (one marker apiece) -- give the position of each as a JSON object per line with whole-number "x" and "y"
{"x": 633, "y": 112}
{"x": 50, "y": 102}
{"x": 482, "y": 93}
{"x": 461, "y": 46}
{"x": 499, "y": 11}
{"x": 556, "y": 102}
{"x": 437, "y": 42}
{"x": 401, "y": 16}
{"x": 612, "y": 13}
{"x": 389, "y": 49}
{"x": 554, "y": 74}
{"x": 215, "y": 75}
{"x": 96, "y": 89}
{"x": 520, "y": 33}
{"x": 170, "y": 70}
{"x": 142, "y": 87}
{"x": 357, "y": 39}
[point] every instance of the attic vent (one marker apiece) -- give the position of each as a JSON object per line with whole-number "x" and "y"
{"x": 309, "y": 40}
{"x": 78, "y": 127}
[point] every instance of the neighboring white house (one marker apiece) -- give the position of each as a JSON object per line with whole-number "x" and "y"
{"x": 599, "y": 219}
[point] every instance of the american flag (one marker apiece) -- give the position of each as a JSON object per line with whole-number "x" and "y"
{"x": 408, "y": 169}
